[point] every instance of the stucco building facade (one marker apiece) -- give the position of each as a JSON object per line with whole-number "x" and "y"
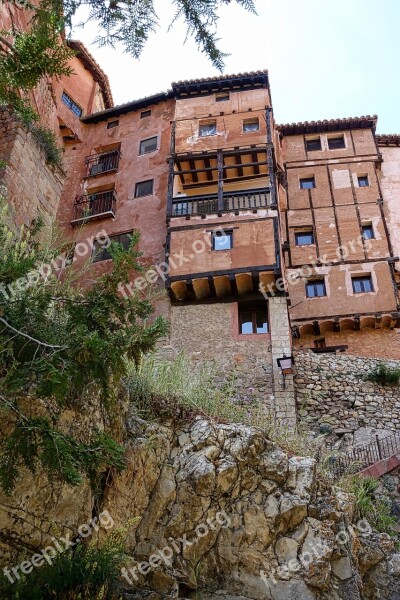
{"x": 268, "y": 239}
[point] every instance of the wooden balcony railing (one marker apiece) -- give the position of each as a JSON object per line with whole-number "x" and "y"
{"x": 94, "y": 207}
{"x": 231, "y": 201}
{"x": 96, "y": 164}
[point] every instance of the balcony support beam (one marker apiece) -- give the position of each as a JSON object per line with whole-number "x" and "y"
{"x": 220, "y": 167}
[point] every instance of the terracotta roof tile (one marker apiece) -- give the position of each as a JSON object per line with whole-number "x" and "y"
{"x": 328, "y": 125}
{"x": 98, "y": 74}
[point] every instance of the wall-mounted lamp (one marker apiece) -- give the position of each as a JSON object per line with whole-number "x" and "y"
{"x": 286, "y": 366}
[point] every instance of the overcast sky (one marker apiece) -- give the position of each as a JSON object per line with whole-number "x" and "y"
{"x": 325, "y": 59}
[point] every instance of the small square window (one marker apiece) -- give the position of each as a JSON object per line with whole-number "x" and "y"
{"x": 304, "y": 238}
{"x": 223, "y": 97}
{"x": 112, "y": 124}
{"x": 313, "y": 145}
{"x": 145, "y": 113}
{"x": 222, "y": 240}
{"x": 253, "y": 318}
{"x": 144, "y": 188}
{"x": 209, "y": 128}
{"x": 368, "y": 232}
{"x": 251, "y": 125}
{"x": 363, "y": 181}
{"x": 101, "y": 253}
{"x": 148, "y": 145}
{"x": 315, "y": 288}
{"x": 362, "y": 284}
{"x": 336, "y": 143}
{"x": 307, "y": 183}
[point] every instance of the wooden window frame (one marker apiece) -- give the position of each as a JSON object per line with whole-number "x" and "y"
{"x": 253, "y": 308}
{"x": 137, "y": 184}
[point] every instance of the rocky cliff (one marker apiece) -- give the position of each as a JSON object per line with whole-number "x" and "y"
{"x": 222, "y": 513}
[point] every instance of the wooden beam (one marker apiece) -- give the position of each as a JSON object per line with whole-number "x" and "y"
{"x": 181, "y": 177}
{"x": 394, "y": 317}
{"x": 256, "y": 281}
{"x": 232, "y": 281}
{"x": 207, "y": 165}
{"x": 316, "y": 328}
{"x": 211, "y": 285}
{"x": 195, "y": 171}
{"x": 296, "y": 332}
{"x": 205, "y": 169}
{"x": 254, "y": 158}
{"x": 378, "y": 321}
{"x": 238, "y": 161}
{"x": 357, "y": 323}
{"x": 190, "y": 290}
{"x": 231, "y": 180}
{"x": 336, "y": 325}
{"x": 220, "y": 164}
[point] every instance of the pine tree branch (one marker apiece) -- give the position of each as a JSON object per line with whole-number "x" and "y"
{"x": 52, "y": 346}
{"x": 14, "y": 408}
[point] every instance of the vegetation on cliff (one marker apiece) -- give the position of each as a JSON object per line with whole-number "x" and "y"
{"x": 66, "y": 346}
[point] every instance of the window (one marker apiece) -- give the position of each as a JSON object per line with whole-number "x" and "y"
{"x": 145, "y": 113}
{"x": 253, "y": 318}
{"x": 144, "y": 188}
{"x": 368, "y": 232}
{"x": 251, "y": 125}
{"x": 363, "y": 181}
{"x": 148, "y": 145}
{"x": 307, "y": 183}
{"x": 222, "y": 240}
{"x": 102, "y": 253}
{"x": 112, "y": 124}
{"x": 315, "y": 288}
{"x": 336, "y": 143}
{"x": 209, "y": 128}
{"x": 73, "y": 106}
{"x": 313, "y": 145}
{"x": 304, "y": 238}
{"x": 362, "y": 284}
{"x": 222, "y": 97}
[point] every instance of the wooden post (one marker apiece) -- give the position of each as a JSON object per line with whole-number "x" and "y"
{"x": 171, "y": 162}
{"x": 220, "y": 167}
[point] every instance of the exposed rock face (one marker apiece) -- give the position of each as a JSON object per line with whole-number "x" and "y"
{"x": 225, "y": 513}
{"x": 222, "y": 514}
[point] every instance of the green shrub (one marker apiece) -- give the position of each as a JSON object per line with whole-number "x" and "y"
{"x": 384, "y": 376}
{"x": 47, "y": 141}
{"x": 80, "y": 573}
{"x": 176, "y": 388}
{"x": 374, "y": 508}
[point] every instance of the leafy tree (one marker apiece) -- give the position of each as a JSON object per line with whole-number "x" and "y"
{"x": 64, "y": 345}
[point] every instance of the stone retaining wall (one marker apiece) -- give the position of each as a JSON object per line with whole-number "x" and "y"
{"x": 332, "y": 393}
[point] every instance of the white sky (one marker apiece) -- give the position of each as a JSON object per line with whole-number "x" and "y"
{"x": 325, "y": 59}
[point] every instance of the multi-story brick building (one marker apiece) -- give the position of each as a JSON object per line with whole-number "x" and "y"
{"x": 266, "y": 237}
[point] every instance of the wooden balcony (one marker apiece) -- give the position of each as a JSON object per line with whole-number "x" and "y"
{"x": 94, "y": 207}
{"x": 105, "y": 162}
{"x": 185, "y": 206}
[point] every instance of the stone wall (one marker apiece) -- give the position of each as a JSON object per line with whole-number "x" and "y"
{"x": 207, "y": 334}
{"x": 210, "y": 333}
{"x": 30, "y": 185}
{"x": 333, "y": 394}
